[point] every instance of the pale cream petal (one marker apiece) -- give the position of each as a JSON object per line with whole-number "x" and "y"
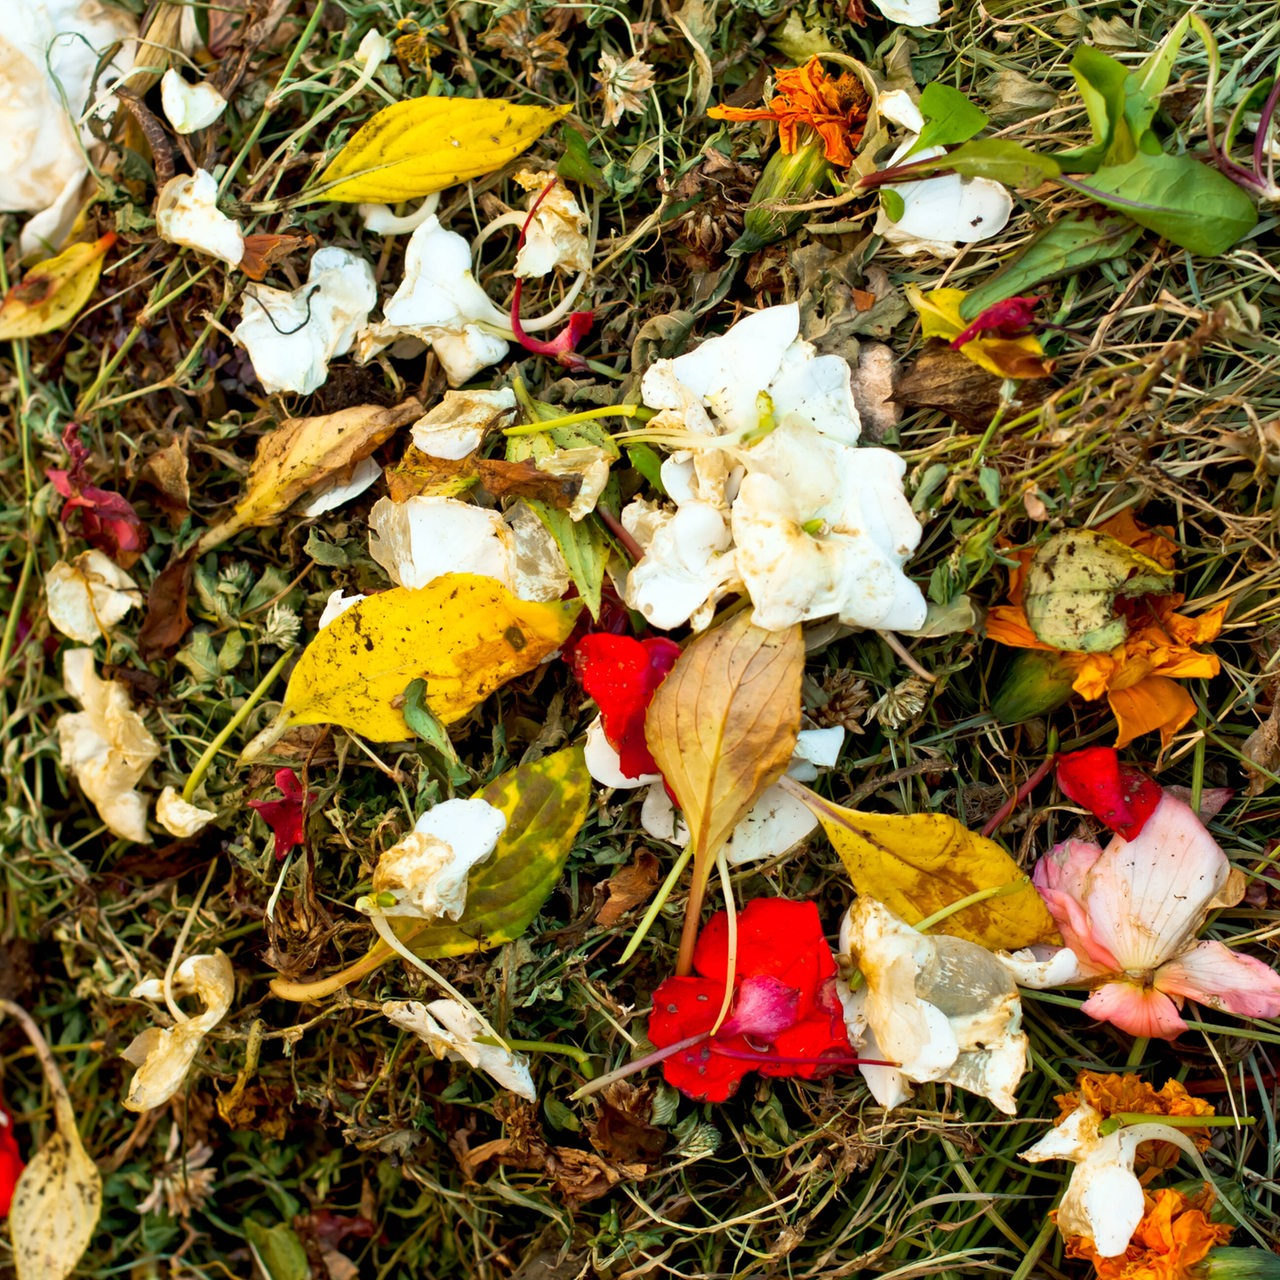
{"x": 178, "y": 817}
{"x": 89, "y": 596}
{"x": 189, "y": 107}
{"x": 187, "y": 214}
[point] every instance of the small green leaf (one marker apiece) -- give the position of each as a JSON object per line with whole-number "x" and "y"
{"x": 545, "y": 804}
{"x": 950, "y": 117}
{"x": 575, "y": 165}
{"x": 1144, "y": 86}
{"x": 646, "y": 461}
{"x": 1061, "y": 249}
{"x": 1191, "y": 205}
{"x": 894, "y": 205}
{"x": 989, "y": 483}
{"x": 278, "y": 1251}
{"x": 422, "y": 721}
{"x": 993, "y": 158}
{"x": 1101, "y": 81}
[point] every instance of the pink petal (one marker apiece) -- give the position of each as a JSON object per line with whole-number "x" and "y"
{"x": 1148, "y": 897}
{"x": 1141, "y": 1011}
{"x": 1062, "y": 878}
{"x": 764, "y": 1007}
{"x": 1212, "y": 974}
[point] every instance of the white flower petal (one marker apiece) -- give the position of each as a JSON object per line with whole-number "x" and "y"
{"x": 291, "y": 337}
{"x": 374, "y": 50}
{"x": 605, "y": 765}
{"x": 912, "y": 13}
{"x": 556, "y": 235}
{"x": 333, "y": 493}
{"x": 775, "y": 824}
{"x": 163, "y": 1056}
{"x": 427, "y": 871}
{"x": 818, "y": 749}
{"x": 106, "y": 747}
{"x": 457, "y": 425}
{"x": 89, "y": 596}
{"x": 450, "y": 1030}
{"x": 178, "y": 817}
{"x": 336, "y": 605}
{"x": 1041, "y": 972}
{"x": 888, "y": 1085}
{"x": 189, "y": 107}
{"x": 187, "y": 214}
{"x": 658, "y": 816}
{"x": 379, "y": 219}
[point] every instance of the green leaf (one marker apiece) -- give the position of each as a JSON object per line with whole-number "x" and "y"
{"x": 545, "y": 804}
{"x": 278, "y": 1251}
{"x": 1144, "y": 86}
{"x": 950, "y": 117}
{"x": 646, "y": 461}
{"x": 993, "y": 158}
{"x": 1102, "y": 81}
{"x": 1065, "y": 247}
{"x": 1191, "y": 205}
{"x": 423, "y": 722}
{"x": 894, "y": 205}
{"x": 576, "y": 166}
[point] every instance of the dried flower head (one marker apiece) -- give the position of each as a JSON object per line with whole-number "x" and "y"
{"x": 622, "y": 86}
{"x": 538, "y": 52}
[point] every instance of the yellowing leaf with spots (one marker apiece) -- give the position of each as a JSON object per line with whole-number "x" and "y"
{"x": 52, "y": 293}
{"x": 920, "y": 863}
{"x": 463, "y": 634}
{"x": 413, "y": 148}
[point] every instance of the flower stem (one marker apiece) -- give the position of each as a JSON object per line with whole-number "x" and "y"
{"x": 211, "y": 751}
{"x": 659, "y": 901}
{"x": 587, "y": 415}
{"x": 1001, "y": 815}
{"x": 638, "y": 1064}
{"x": 1182, "y": 1122}
{"x": 982, "y": 895}
{"x": 1137, "y": 1051}
{"x": 580, "y": 1056}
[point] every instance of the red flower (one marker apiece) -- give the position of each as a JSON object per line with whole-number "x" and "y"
{"x": 107, "y": 520}
{"x": 1120, "y": 796}
{"x": 11, "y": 1165}
{"x": 622, "y": 675}
{"x": 785, "y": 1019}
{"x": 1007, "y": 319}
{"x": 286, "y": 817}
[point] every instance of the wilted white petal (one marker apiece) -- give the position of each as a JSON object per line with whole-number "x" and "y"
{"x": 333, "y": 493}
{"x": 457, "y": 425}
{"x": 591, "y": 464}
{"x": 89, "y": 596}
{"x": 941, "y": 1007}
{"x": 106, "y": 747}
{"x": 178, "y": 817}
{"x": 374, "y": 50}
{"x": 292, "y": 336}
{"x": 912, "y": 13}
{"x": 1042, "y": 968}
{"x": 605, "y": 765}
{"x": 189, "y": 107}
{"x": 450, "y": 1029}
{"x": 187, "y": 214}
{"x": 556, "y": 235}
{"x": 538, "y": 571}
{"x": 336, "y": 605}
{"x": 776, "y": 823}
{"x": 423, "y": 538}
{"x": 49, "y": 57}
{"x": 888, "y": 1086}
{"x": 163, "y": 1055}
{"x": 427, "y": 871}
{"x": 658, "y": 816}
{"x": 815, "y": 749}
{"x": 687, "y": 564}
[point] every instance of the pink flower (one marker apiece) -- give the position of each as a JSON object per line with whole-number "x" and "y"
{"x": 1129, "y": 915}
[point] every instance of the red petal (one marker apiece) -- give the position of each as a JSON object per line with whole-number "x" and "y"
{"x": 684, "y": 1007}
{"x": 621, "y": 674}
{"x": 763, "y": 1008}
{"x": 287, "y": 817}
{"x": 705, "y": 1075}
{"x": 1118, "y": 795}
{"x": 11, "y": 1164}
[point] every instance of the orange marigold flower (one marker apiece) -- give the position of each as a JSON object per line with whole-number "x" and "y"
{"x": 835, "y": 108}
{"x": 1174, "y": 1236}
{"x": 1138, "y": 678}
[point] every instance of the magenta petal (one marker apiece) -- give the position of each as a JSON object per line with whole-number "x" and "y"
{"x": 1141, "y": 1011}
{"x": 1214, "y": 975}
{"x": 764, "y": 1008}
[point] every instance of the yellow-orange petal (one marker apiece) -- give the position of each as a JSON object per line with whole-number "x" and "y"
{"x": 1156, "y": 703}
{"x": 1198, "y": 630}
{"x": 1007, "y": 624}
{"x": 1150, "y": 542}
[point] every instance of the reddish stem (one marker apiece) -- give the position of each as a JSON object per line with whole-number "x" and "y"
{"x": 1001, "y": 815}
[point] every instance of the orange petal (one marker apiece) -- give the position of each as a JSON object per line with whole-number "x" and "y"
{"x": 1156, "y": 703}
{"x": 1009, "y": 357}
{"x": 1150, "y": 542}
{"x": 1008, "y": 625}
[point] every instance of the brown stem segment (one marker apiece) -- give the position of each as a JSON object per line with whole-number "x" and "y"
{"x": 692, "y": 916}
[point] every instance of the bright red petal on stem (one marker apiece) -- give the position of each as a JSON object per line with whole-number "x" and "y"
{"x": 11, "y": 1163}
{"x": 1007, "y": 319}
{"x": 286, "y": 817}
{"x": 1118, "y": 795}
{"x": 622, "y": 674}
{"x": 107, "y": 520}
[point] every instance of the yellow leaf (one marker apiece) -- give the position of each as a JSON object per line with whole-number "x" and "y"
{"x": 52, "y": 292}
{"x": 301, "y": 453}
{"x": 722, "y": 727}
{"x": 939, "y": 312}
{"x": 918, "y": 864}
{"x": 413, "y": 148}
{"x": 463, "y": 634}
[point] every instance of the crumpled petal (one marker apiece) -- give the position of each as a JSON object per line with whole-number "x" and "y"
{"x": 457, "y": 425}
{"x": 424, "y": 537}
{"x": 911, "y": 13}
{"x": 334, "y": 493}
{"x": 187, "y": 214}
{"x": 427, "y": 871}
{"x": 178, "y": 817}
{"x": 106, "y": 747}
{"x": 164, "y": 1055}
{"x": 336, "y": 605}
{"x": 556, "y": 234}
{"x": 449, "y": 1028}
{"x": 943, "y": 1008}
{"x": 189, "y": 107}
{"x": 1212, "y": 974}
{"x": 87, "y": 597}
{"x": 291, "y": 337}
{"x": 440, "y": 303}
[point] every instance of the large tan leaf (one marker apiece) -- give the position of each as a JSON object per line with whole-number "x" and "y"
{"x": 413, "y": 148}
{"x": 301, "y": 453}
{"x": 58, "y": 1199}
{"x": 463, "y": 634}
{"x": 722, "y": 727}
{"x": 51, "y": 294}
{"x": 918, "y": 864}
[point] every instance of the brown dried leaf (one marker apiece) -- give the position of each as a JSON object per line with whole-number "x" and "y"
{"x": 420, "y": 473}
{"x": 301, "y": 453}
{"x": 629, "y": 887}
{"x": 167, "y": 620}
{"x": 624, "y": 1132}
{"x": 166, "y": 471}
{"x": 263, "y": 251}
{"x": 945, "y": 379}
{"x": 722, "y": 728}
{"x": 1262, "y": 748}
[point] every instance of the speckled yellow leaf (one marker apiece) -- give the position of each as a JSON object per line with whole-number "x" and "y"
{"x": 463, "y": 634}
{"x": 413, "y": 148}
{"x": 918, "y": 864}
{"x": 52, "y": 293}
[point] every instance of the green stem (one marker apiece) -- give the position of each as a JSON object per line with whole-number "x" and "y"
{"x": 587, "y": 415}
{"x": 1182, "y": 1122}
{"x": 658, "y": 903}
{"x": 982, "y": 895}
{"x": 202, "y": 765}
{"x": 1137, "y": 1052}
{"x": 580, "y": 1056}
{"x": 1036, "y": 1249}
